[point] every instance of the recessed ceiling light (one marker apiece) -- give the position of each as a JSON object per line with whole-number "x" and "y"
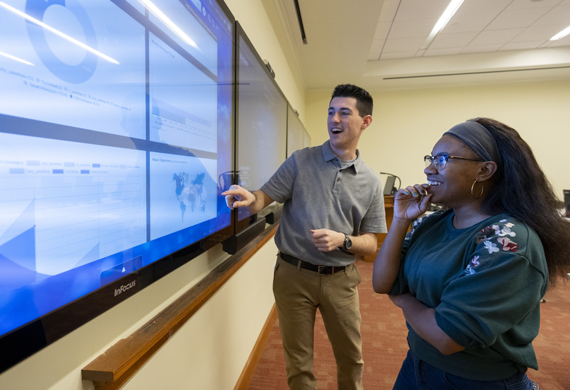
{"x": 561, "y": 34}
{"x": 443, "y": 19}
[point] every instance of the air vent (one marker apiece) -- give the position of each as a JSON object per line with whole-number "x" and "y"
{"x": 470, "y": 73}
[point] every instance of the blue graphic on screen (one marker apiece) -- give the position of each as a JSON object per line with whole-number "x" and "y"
{"x": 115, "y": 136}
{"x": 74, "y": 74}
{"x": 62, "y": 82}
{"x": 179, "y": 189}
{"x": 67, "y": 205}
{"x": 190, "y": 192}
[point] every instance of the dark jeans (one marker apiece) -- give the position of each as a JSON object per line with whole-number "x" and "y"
{"x": 416, "y": 374}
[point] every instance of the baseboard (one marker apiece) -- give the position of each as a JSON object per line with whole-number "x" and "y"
{"x": 255, "y": 356}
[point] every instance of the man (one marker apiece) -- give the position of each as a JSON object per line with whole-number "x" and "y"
{"x": 333, "y": 206}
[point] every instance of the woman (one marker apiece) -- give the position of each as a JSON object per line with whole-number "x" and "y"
{"x": 469, "y": 280}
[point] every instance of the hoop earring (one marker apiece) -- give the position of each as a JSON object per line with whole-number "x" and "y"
{"x": 473, "y": 186}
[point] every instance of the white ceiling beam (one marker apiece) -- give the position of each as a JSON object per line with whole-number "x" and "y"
{"x": 469, "y": 63}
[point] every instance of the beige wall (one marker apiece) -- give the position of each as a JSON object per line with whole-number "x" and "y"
{"x": 210, "y": 351}
{"x": 407, "y": 124}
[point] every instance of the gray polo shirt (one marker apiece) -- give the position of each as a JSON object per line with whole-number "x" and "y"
{"x": 318, "y": 194}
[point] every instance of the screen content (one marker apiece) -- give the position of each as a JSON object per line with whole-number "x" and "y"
{"x": 115, "y": 138}
{"x": 297, "y": 136}
{"x": 261, "y": 124}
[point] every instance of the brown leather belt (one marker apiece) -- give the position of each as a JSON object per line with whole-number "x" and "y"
{"x": 320, "y": 269}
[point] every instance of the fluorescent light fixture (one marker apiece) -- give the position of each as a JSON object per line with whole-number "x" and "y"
{"x": 53, "y": 30}
{"x": 166, "y": 20}
{"x": 443, "y": 19}
{"x": 561, "y": 34}
{"x": 16, "y": 59}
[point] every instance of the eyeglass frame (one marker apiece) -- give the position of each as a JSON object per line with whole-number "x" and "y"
{"x": 446, "y": 157}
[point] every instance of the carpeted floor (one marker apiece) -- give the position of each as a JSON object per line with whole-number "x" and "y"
{"x": 385, "y": 347}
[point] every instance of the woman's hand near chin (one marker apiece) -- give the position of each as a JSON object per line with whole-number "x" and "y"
{"x": 411, "y": 202}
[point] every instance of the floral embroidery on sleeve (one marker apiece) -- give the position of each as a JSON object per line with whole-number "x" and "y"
{"x": 507, "y": 244}
{"x": 506, "y": 230}
{"x": 473, "y": 263}
{"x": 415, "y": 224}
{"x": 494, "y": 233}
{"x": 490, "y": 246}
{"x": 486, "y": 233}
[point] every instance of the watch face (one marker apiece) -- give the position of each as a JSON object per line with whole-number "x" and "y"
{"x": 347, "y": 242}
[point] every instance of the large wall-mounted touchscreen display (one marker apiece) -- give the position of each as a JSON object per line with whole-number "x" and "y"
{"x": 115, "y": 139}
{"x": 261, "y": 120}
{"x": 297, "y": 136}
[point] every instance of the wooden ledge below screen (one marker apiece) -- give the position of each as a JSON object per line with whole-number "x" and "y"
{"x": 112, "y": 369}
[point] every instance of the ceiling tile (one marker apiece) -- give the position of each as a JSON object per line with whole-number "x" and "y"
{"x": 535, "y": 33}
{"x": 521, "y": 45}
{"x": 469, "y": 22}
{"x": 375, "y": 49}
{"x": 382, "y": 30}
{"x": 421, "y": 9}
{"x": 556, "y": 16}
{"x": 528, "y": 4}
{"x": 442, "y": 41}
{"x": 420, "y": 53}
{"x": 403, "y": 44}
{"x": 389, "y": 8}
{"x": 561, "y": 42}
{"x": 398, "y": 54}
{"x": 481, "y": 6}
{"x": 481, "y": 48}
{"x": 412, "y": 28}
{"x": 517, "y": 18}
{"x": 496, "y": 37}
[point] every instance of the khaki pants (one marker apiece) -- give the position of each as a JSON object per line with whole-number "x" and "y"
{"x": 298, "y": 293}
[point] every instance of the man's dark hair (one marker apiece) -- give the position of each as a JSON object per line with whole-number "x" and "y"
{"x": 364, "y": 101}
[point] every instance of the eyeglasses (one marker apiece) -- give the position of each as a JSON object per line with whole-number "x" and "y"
{"x": 440, "y": 161}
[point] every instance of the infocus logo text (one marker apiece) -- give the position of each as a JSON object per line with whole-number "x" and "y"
{"x": 125, "y": 287}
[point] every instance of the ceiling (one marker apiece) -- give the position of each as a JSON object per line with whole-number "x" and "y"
{"x": 384, "y": 44}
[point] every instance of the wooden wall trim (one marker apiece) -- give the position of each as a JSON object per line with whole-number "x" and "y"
{"x": 112, "y": 369}
{"x": 252, "y": 362}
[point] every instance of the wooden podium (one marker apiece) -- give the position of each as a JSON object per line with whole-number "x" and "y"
{"x": 389, "y": 206}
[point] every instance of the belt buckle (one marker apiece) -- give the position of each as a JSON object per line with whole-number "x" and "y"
{"x": 321, "y": 269}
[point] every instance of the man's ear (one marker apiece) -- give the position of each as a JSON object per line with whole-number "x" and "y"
{"x": 366, "y": 121}
{"x": 486, "y": 170}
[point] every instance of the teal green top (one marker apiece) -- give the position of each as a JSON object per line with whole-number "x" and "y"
{"x": 485, "y": 283}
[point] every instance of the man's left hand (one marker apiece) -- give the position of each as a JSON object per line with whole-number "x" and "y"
{"x": 327, "y": 240}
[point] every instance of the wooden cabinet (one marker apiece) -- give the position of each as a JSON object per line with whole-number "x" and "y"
{"x": 389, "y": 206}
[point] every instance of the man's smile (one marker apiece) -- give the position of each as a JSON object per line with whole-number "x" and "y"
{"x": 336, "y": 130}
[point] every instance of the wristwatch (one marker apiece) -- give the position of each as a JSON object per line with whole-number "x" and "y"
{"x": 347, "y": 242}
